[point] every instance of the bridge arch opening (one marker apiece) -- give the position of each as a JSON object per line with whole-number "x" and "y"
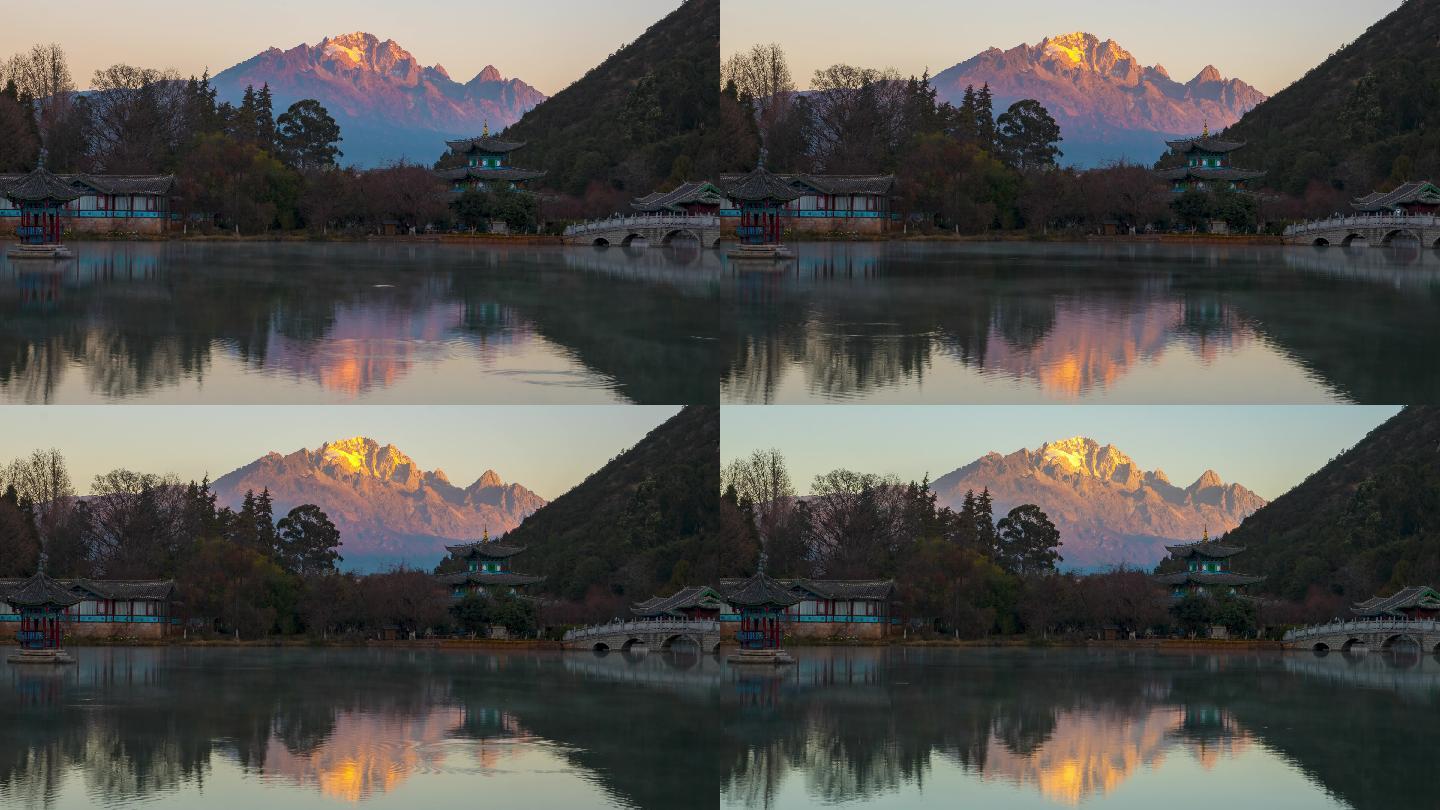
{"x": 600, "y": 648}
{"x": 631, "y": 239}
{"x": 1354, "y": 646}
{"x": 1436, "y": 651}
{"x": 680, "y": 235}
{"x": 1401, "y": 235}
{"x": 1321, "y": 241}
{"x": 679, "y": 640}
{"x": 1437, "y": 243}
{"x": 1400, "y": 641}
{"x": 1320, "y": 648}
{"x": 632, "y": 643}
{"x": 601, "y": 241}
{"x": 1352, "y": 239}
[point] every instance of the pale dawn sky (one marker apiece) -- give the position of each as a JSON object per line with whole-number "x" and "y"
{"x": 547, "y": 44}
{"x": 548, "y": 449}
{"x": 1268, "y": 44}
{"x": 1268, "y": 448}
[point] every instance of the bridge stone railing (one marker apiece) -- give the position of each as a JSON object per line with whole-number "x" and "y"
{"x": 1361, "y": 626}
{"x": 643, "y": 626}
{"x": 643, "y": 221}
{"x": 1363, "y": 221}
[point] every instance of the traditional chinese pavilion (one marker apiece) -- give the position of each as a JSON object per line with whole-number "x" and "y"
{"x": 761, "y": 603}
{"x": 1207, "y": 569}
{"x": 487, "y": 569}
{"x": 483, "y": 164}
{"x": 1416, "y": 197}
{"x": 690, "y": 197}
{"x": 41, "y": 197}
{"x": 1415, "y": 602}
{"x": 694, "y": 602}
{"x": 1207, "y": 165}
{"x": 761, "y": 198}
{"x": 41, "y": 603}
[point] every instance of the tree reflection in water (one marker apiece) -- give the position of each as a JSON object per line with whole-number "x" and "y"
{"x": 340, "y": 322}
{"x": 1141, "y": 322}
{"x": 138, "y": 725}
{"x": 1076, "y": 726}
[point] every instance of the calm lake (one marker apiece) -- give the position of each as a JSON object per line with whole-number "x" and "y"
{"x": 311, "y": 728}
{"x": 374, "y": 323}
{"x": 1133, "y": 323}
{"x": 1023, "y": 728}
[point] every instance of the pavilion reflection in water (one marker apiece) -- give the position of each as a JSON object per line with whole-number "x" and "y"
{"x": 134, "y": 726}
{"x": 893, "y": 322}
{"x": 1072, "y": 728}
{"x": 342, "y": 322}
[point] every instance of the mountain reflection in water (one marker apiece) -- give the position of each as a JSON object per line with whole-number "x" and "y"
{"x": 918, "y": 322}
{"x": 335, "y": 323}
{"x": 1102, "y": 728}
{"x": 383, "y": 727}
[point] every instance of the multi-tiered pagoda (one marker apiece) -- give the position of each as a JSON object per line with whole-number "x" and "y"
{"x": 483, "y": 164}
{"x": 1207, "y": 569}
{"x": 487, "y": 569}
{"x": 1207, "y": 165}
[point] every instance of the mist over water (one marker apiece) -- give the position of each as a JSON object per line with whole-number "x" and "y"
{"x": 1023, "y": 728}
{"x": 296, "y": 323}
{"x": 936, "y": 323}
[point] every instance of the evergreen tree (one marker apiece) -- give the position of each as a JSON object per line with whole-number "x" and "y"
{"x": 265, "y": 136}
{"x": 985, "y": 118}
{"x": 308, "y": 136}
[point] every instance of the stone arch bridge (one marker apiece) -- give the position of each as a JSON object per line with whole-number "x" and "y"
{"x": 647, "y": 229}
{"x": 1367, "y": 634}
{"x": 652, "y": 634}
{"x": 1369, "y": 229}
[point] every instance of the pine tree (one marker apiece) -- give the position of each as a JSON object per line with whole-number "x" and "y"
{"x": 265, "y": 119}
{"x": 985, "y": 118}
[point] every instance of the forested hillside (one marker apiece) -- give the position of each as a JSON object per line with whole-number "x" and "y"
{"x": 1368, "y": 521}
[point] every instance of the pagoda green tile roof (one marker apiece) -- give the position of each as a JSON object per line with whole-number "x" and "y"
{"x": 502, "y": 175}
{"x": 1204, "y": 143}
{"x": 484, "y": 143}
{"x": 492, "y": 549}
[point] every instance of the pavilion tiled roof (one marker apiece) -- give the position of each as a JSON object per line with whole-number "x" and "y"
{"x": 691, "y": 191}
{"x": 868, "y": 590}
{"x": 759, "y": 184}
{"x": 506, "y": 174}
{"x": 484, "y": 143}
{"x": 493, "y": 549}
{"x": 876, "y": 184}
{"x": 1415, "y": 596}
{"x": 1213, "y": 549}
{"x": 38, "y": 590}
{"x": 1208, "y": 578}
{"x": 1223, "y": 173}
{"x": 760, "y": 590}
{"x": 879, "y": 184}
{"x": 694, "y": 596}
{"x": 1204, "y": 144}
{"x": 40, "y": 184}
{"x": 483, "y": 578}
{"x": 147, "y": 590}
{"x": 861, "y": 589}
{"x": 1416, "y": 191}
{"x": 80, "y": 184}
